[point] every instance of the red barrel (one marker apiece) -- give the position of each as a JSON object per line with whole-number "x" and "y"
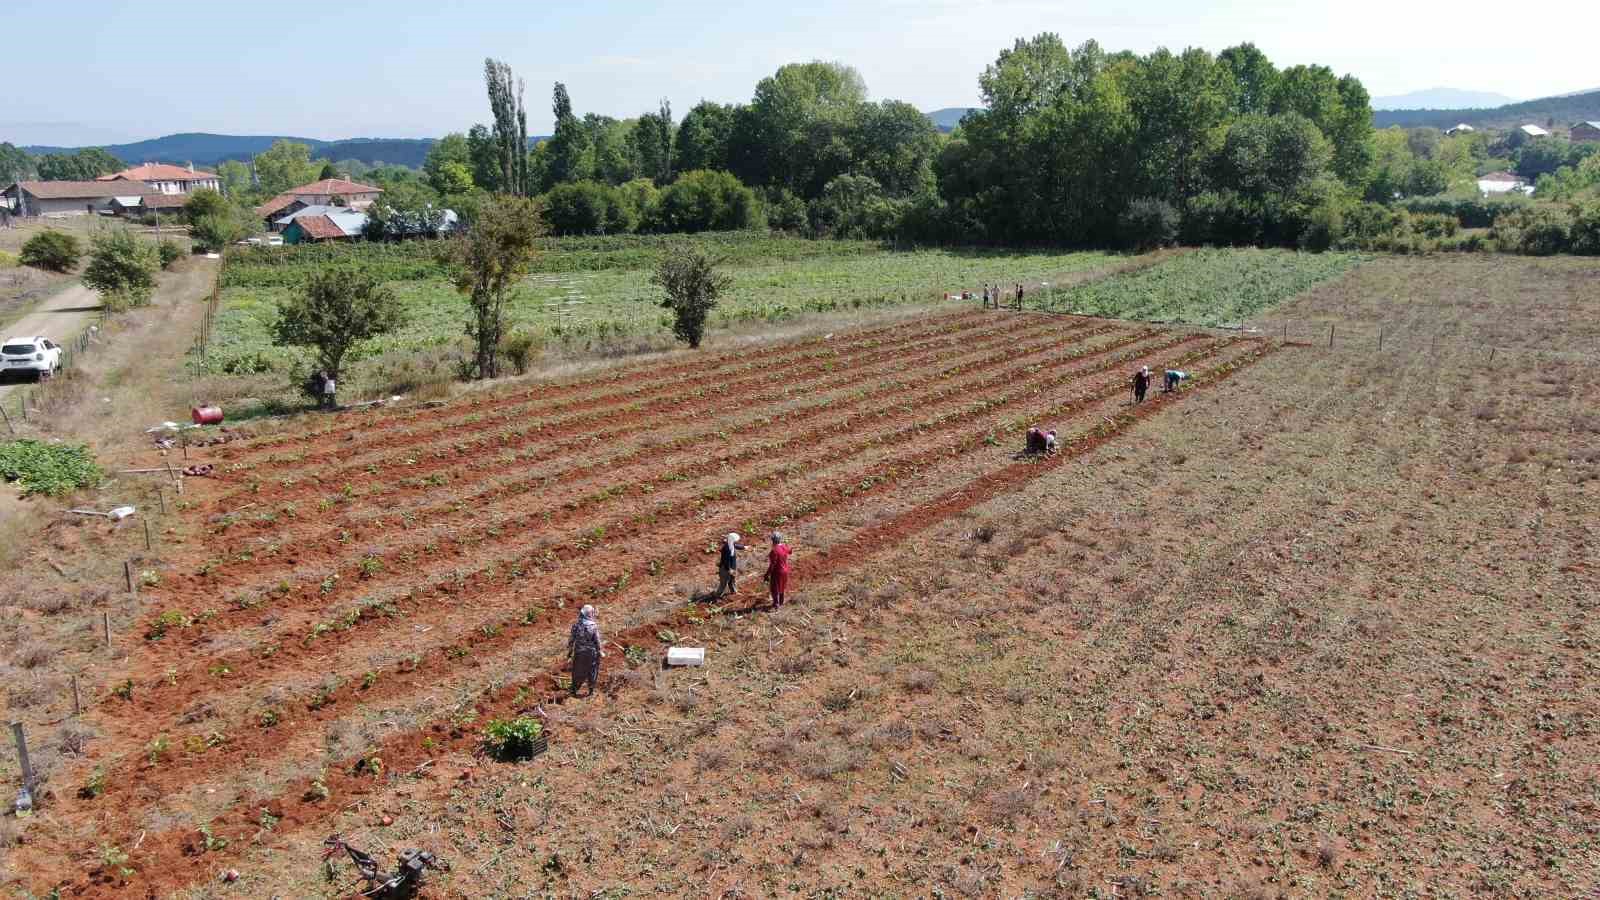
{"x": 206, "y": 415}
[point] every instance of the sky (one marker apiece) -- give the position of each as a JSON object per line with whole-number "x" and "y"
{"x": 107, "y": 72}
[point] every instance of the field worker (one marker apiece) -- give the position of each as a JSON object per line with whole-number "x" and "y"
{"x": 1035, "y": 441}
{"x": 728, "y": 564}
{"x": 1019, "y": 295}
{"x": 1141, "y": 383}
{"x": 327, "y": 392}
{"x": 777, "y": 576}
{"x": 1173, "y": 377}
{"x": 583, "y": 648}
{"x": 986, "y": 296}
{"x": 1050, "y": 442}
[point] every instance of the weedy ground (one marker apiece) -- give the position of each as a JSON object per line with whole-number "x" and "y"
{"x": 1320, "y": 625}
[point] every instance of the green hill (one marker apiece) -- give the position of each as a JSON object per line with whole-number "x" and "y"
{"x": 1563, "y": 110}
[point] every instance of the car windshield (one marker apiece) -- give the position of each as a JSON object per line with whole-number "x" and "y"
{"x": 16, "y": 349}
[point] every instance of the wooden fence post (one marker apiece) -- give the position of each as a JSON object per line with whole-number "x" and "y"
{"x": 161, "y": 497}
{"x": 12, "y": 428}
{"x": 1380, "y": 337}
{"x": 146, "y": 533}
{"x": 1330, "y": 334}
{"x": 105, "y": 620}
{"x": 22, "y": 756}
{"x": 77, "y": 698}
{"x": 127, "y": 572}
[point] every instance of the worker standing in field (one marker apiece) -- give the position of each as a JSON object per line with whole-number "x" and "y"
{"x": 583, "y": 648}
{"x": 986, "y": 296}
{"x": 1141, "y": 383}
{"x": 728, "y": 564}
{"x": 777, "y": 576}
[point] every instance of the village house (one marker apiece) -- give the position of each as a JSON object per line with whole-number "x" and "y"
{"x": 165, "y": 179}
{"x": 143, "y": 204}
{"x": 1586, "y": 131}
{"x": 1501, "y": 182}
{"x": 70, "y": 198}
{"x": 1533, "y": 131}
{"x": 1461, "y": 128}
{"x": 327, "y": 192}
{"x": 337, "y": 224}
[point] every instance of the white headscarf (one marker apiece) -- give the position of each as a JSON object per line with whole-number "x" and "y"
{"x": 587, "y": 620}
{"x": 732, "y": 538}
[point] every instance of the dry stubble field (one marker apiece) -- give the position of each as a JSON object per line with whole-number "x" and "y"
{"x": 1319, "y": 625}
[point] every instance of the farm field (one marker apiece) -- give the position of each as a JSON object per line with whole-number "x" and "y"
{"x": 1320, "y": 624}
{"x": 590, "y": 290}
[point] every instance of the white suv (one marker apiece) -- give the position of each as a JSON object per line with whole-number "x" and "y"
{"x": 36, "y": 356}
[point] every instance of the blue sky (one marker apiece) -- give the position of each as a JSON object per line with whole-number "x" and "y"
{"x": 116, "y": 71}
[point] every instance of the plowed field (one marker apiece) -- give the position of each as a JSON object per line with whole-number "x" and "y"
{"x": 422, "y": 566}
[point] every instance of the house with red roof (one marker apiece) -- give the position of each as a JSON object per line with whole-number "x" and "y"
{"x": 327, "y": 192}
{"x": 165, "y": 179}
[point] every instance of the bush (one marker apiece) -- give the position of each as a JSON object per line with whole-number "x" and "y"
{"x": 53, "y": 250}
{"x": 8, "y": 261}
{"x": 692, "y": 287}
{"x": 168, "y": 252}
{"x": 206, "y": 202}
{"x": 1537, "y": 230}
{"x": 588, "y": 207}
{"x": 706, "y": 201}
{"x": 1586, "y": 228}
{"x": 48, "y": 468}
{"x": 1148, "y": 224}
{"x": 785, "y": 211}
{"x": 215, "y": 231}
{"x": 1434, "y": 225}
{"x": 520, "y": 349}
{"x": 512, "y": 739}
{"x": 1469, "y": 212}
{"x": 123, "y": 264}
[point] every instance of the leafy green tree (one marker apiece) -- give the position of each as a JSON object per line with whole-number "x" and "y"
{"x": 706, "y": 201}
{"x": 613, "y": 148}
{"x": 328, "y": 171}
{"x": 339, "y": 308}
{"x": 795, "y": 132}
{"x": 284, "y": 165}
{"x": 570, "y": 149}
{"x": 894, "y": 144}
{"x": 56, "y": 251}
{"x": 651, "y": 140}
{"x": 701, "y": 141}
{"x": 448, "y": 165}
{"x": 235, "y": 178}
{"x": 205, "y": 202}
{"x": 510, "y": 127}
{"x": 215, "y": 231}
{"x": 487, "y": 261}
{"x": 122, "y": 267}
{"x": 853, "y": 206}
{"x": 1181, "y": 105}
{"x": 16, "y": 164}
{"x": 1254, "y": 78}
{"x": 692, "y": 285}
{"x": 1278, "y": 154}
{"x": 1148, "y": 223}
{"x": 405, "y": 209}
{"x": 168, "y": 252}
{"x": 84, "y": 165}
{"x": 483, "y": 158}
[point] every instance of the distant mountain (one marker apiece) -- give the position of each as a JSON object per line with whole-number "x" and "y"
{"x": 948, "y": 118}
{"x": 1442, "y": 98}
{"x": 1562, "y": 110}
{"x": 210, "y": 149}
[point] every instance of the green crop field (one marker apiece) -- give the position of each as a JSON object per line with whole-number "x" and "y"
{"x": 1209, "y": 287}
{"x": 598, "y": 289}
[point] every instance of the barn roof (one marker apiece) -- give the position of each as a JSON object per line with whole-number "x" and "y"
{"x": 74, "y": 190}
{"x": 334, "y": 186}
{"x": 319, "y": 227}
{"x": 157, "y": 172}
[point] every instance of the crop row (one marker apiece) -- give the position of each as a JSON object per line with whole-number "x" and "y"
{"x": 416, "y": 461}
{"x": 565, "y": 486}
{"x": 550, "y": 559}
{"x": 307, "y": 803}
{"x": 637, "y": 377}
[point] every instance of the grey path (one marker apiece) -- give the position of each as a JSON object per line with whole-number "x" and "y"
{"x": 61, "y": 318}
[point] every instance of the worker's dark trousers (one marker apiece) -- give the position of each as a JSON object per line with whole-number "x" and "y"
{"x": 585, "y": 670}
{"x": 724, "y": 582}
{"x": 1138, "y": 395}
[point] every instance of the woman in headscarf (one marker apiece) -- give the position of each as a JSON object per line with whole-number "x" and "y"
{"x": 777, "y": 576}
{"x": 583, "y": 648}
{"x": 728, "y": 564}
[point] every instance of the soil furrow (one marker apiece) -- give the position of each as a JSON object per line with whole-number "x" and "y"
{"x": 175, "y": 857}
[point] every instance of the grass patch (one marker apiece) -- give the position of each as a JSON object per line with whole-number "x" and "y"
{"x": 1208, "y": 287}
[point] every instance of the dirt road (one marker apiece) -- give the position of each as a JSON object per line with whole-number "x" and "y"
{"x": 59, "y": 318}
